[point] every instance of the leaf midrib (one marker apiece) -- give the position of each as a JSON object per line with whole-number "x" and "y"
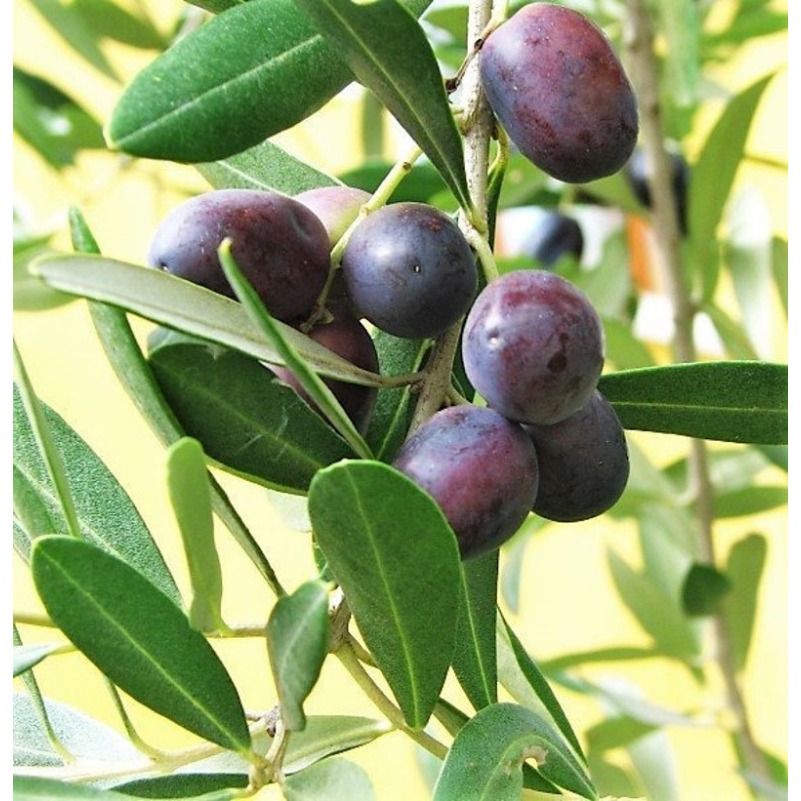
{"x": 697, "y": 407}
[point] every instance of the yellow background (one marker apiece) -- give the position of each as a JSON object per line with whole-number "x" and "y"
{"x": 567, "y": 600}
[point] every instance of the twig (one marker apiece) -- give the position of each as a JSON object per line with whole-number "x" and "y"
{"x": 645, "y": 76}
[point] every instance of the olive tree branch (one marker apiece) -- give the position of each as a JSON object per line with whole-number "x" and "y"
{"x": 645, "y": 76}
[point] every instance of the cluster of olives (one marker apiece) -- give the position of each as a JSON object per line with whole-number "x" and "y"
{"x": 532, "y": 343}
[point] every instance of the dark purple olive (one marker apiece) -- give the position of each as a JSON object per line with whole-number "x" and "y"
{"x": 278, "y": 243}
{"x": 584, "y": 463}
{"x": 409, "y": 270}
{"x": 479, "y": 467}
{"x": 533, "y": 346}
{"x": 560, "y": 92}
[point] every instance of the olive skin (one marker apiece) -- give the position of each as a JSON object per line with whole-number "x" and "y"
{"x": 480, "y": 468}
{"x": 560, "y": 92}
{"x": 335, "y": 206}
{"x": 409, "y": 270}
{"x": 347, "y": 337}
{"x": 278, "y": 243}
{"x": 584, "y": 463}
{"x": 533, "y": 346}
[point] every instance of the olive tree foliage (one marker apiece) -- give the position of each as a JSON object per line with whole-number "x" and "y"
{"x": 390, "y": 599}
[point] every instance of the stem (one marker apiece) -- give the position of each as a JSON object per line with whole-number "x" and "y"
{"x": 33, "y": 619}
{"x": 168, "y": 763}
{"x": 477, "y": 121}
{"x": 645, "y": 77}
{"x": 352, "y": 664}
{"x": 437, "y": 382}
{"x": 477, "y": 124}
{"x": 133, "y": 735}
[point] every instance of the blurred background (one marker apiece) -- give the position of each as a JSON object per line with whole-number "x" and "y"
{"x": 71, "y": 62}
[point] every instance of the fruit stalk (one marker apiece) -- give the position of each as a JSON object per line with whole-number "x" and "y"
{"x": 645, "y": 75}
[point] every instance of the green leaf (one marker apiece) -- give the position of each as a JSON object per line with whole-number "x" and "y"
{"x": 83, "y": 737}
{"x": 679, "y": 23}
{"x": 474, "y": 657}
{"x": 31, "y": 516}
{"x": 68, "y": 23}
{"x": 733, "y": 401}
{"x": 623, "y": 349}
{"x": 265, "y": 166}
{"x": 216, "y": 6}
{"x": 248, "y": 422}
{"x": 43, "y": 444}
{"x": 776, "y": 454}
{"x": 26, "y": 656}
{"x": 110, "y": 20}
{"x": 35, "y": 788}
{"x": 731, "y": 332}
{"x": 622, "y": 697}
{"x": 52, "y": 122}
{"x": 616, "y": 732}
{"x": 715, "y": 170}
{"x": 749, "y": 501}
{"x": 138, "y": 638}
{"x": 323, "y": 736}
{"x": 331, "y": 780}
{"x": 748, "y": 24}
{"x": 183, "y": 785}
{"x": 40, "y": 725}
{"x": 610, "y": 779}
{"x": 30, "y": 292}
{"x": 126, "y": 359}
{"x": 521, "y": 677}
{"x": 297, "y": 641}
{"x": 392, "y": 413}
{"x": 608, "y": 285}
{"x": 391, "y": 549}
{"x": 326, "y": 735}
{"x": 318, "y": 391}
{"x": 668, "y": 546}
{"x": 235, "y": 95}
{"x": 729, "y": 469}
{"x": 188, "y": 485}
{"x": 487, "y": 757}
{"x": 105, "y": 513}
{"x": 704, "y": 590}
{"x": 655, "y": 764}
{"x": 390, "y": 54}
{"x": 614, "y": 654}
{"x": 373, "y": 127}
{"x": 779, "y": 264}
{"x": 744, "y": 568}
{"x": 748, "y": 258}
{"x": 655, "y": 611}
{"x": 171, "y": 301}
